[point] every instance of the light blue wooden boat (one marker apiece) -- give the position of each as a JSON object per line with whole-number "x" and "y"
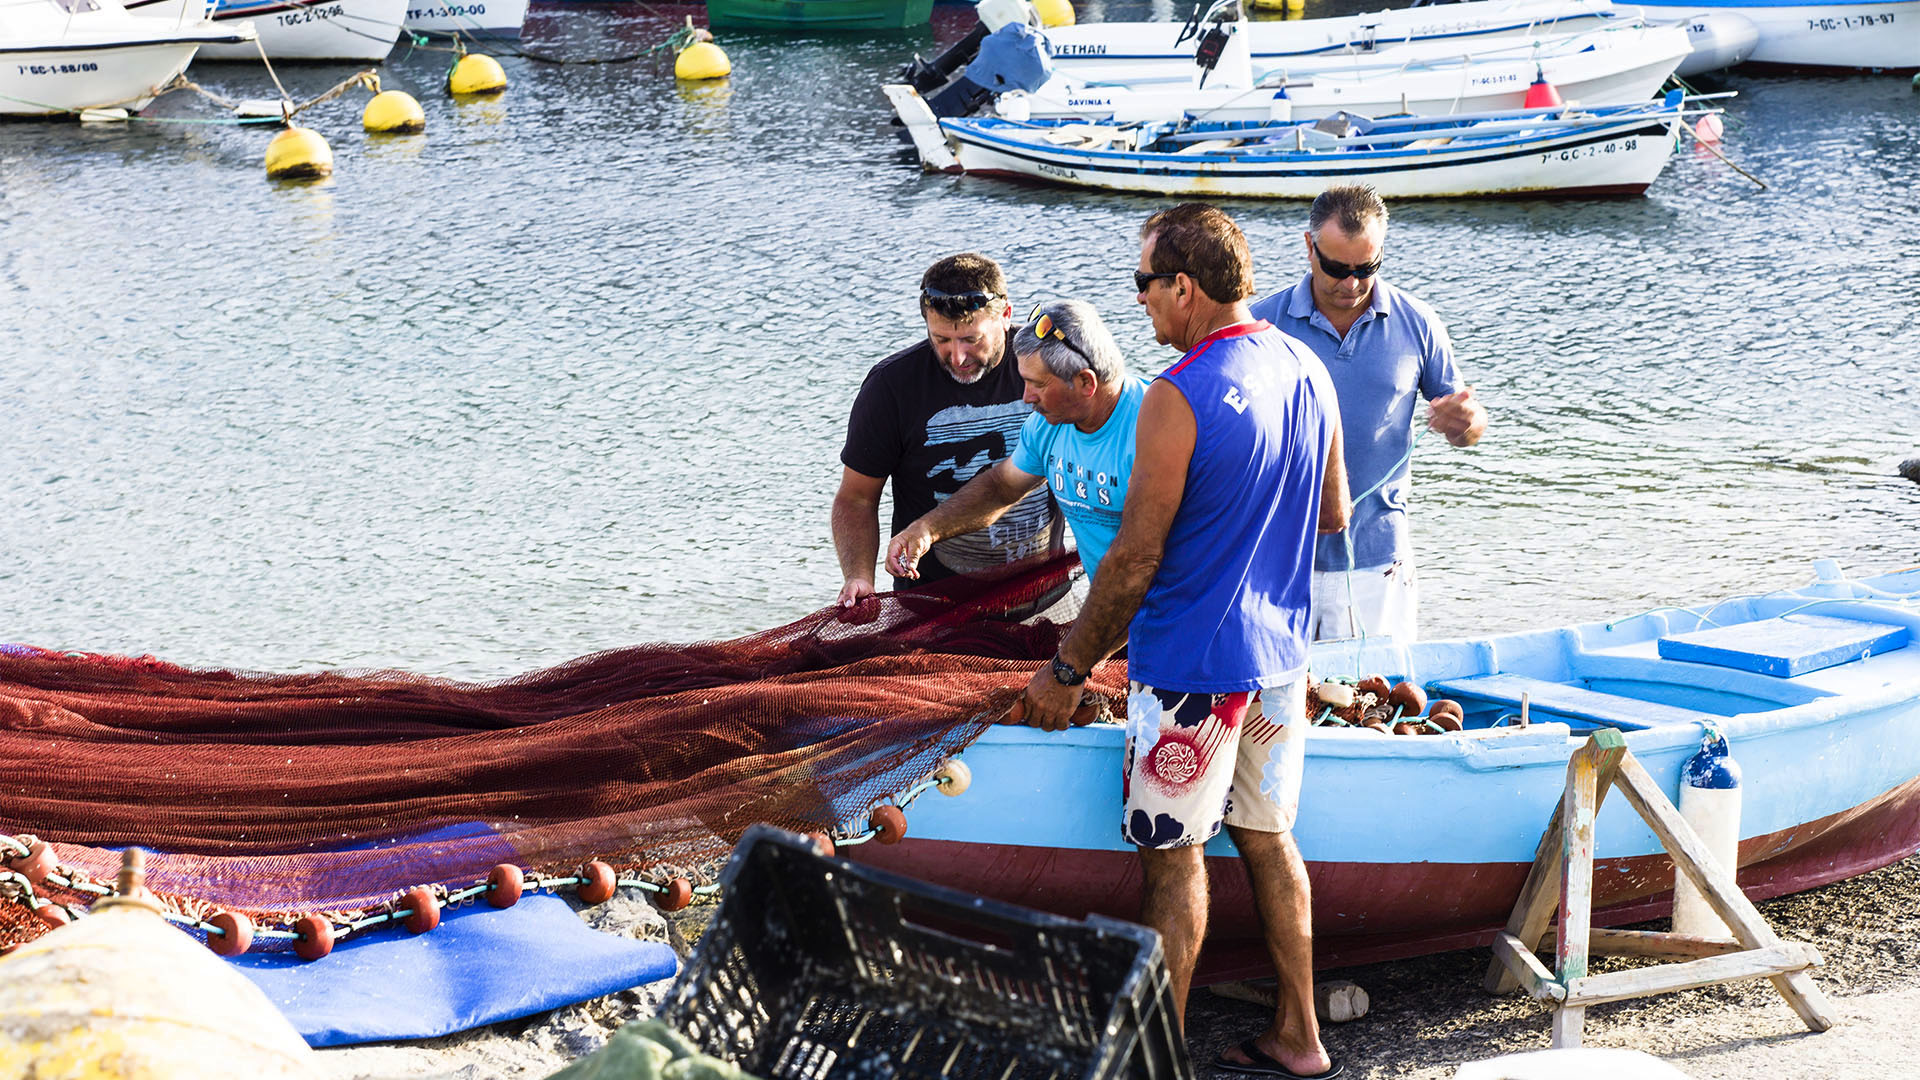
{"x": 1421, "y": 843}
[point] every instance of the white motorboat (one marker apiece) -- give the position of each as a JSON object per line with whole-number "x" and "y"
{"x": 1616, "y": 64}
{"x": 304, "y": 29}
{"x": 497, "y": 20}
{"x": 1841, "y": 34}
{"x": 67, "y": 56}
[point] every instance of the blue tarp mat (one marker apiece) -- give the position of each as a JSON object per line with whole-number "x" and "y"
{"x": 479, "y": 966}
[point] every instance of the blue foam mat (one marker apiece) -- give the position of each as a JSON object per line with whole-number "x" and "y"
{"x": 479, "y": 966}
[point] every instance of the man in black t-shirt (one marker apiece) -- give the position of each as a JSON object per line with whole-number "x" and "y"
{"x": 928, "y": 418}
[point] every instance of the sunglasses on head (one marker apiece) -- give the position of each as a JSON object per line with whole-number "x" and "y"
{"x": 1340, "y": 271}
{"x": 1142, "y": 279}
{"x": 956, "y": 305}
{"x": 1044, "y": 329}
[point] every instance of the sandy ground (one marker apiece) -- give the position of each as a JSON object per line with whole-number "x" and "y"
{"x": 1427, "y": 1016}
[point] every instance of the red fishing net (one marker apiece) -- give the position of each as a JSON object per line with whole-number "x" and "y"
{"x": 287, "y": 794}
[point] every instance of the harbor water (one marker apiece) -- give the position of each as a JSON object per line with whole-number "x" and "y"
{"x": 572, "y": 370}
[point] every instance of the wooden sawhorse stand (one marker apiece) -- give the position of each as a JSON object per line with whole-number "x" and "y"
{"x": 1565, "y": 855}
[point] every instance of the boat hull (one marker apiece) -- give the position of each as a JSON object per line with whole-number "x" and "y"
{"x": 1418, "y": 845}
{"x": 1871, "y": 35}
{"x": 818, "y": 14}
{"x": 312, "y": 29}
{"x": 496, "y": 20}
{"x": 1619, "y": 159}
{"x": 67, "y": 78}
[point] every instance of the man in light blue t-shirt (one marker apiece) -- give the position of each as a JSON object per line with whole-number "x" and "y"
{"x": 1384, "y": 350}
{"x": 1079, "y": 441}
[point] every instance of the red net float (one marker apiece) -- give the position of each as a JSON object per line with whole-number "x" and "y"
{"x": 889, "y": 824}
{"x": 504, "y": 885}
{"x": 1409, "y": 699}
{"x": 316, "y": 937}
{"x": 822, "y": 843}
{"x": 597, "y": 883}
{"x": 1406, "y": 727}
{"x": 677, "y": 895}
{"x": 53, "y": 915}
{"x": 424, "y": 908}
{"x": 235, "y": 936}
{"x": 35, "y": 865}
{"x": 1375, "y": 685}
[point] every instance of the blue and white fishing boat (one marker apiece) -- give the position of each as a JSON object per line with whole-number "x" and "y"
{"x": 1418, "y": 844}
{"x": 493, "y": 20}
{"x": 309, "y": 29}
{"x": 1606, "y": 150}
{"x": 67, "y": 56}
{"x": 1843, "y": 34}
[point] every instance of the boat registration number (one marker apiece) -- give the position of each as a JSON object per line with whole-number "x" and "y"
{"x": 1852, "y": 22}
{"x": 1580, "y": 153}
{"x": 448, "y": 11}
{"x": 312, "y": 14}
{"x": 57, "y": 69}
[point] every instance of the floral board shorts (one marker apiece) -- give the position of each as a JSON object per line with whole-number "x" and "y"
{"x": 1195, "y": 761}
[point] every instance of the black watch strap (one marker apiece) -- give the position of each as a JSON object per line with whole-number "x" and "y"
{"x": 1065, "y": 675}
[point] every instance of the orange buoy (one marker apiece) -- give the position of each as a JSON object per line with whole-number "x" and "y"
{"x": 822, "y": 843}
{"x": 597, "y": 883}
{"x": 1375, "y": 685}
{"x": 424, "y": 908}
{"x": 1708, "y": 129}
{"x": 54, "y": 915}
{"x": 504, "y": 884}
{"x": 1541, "y": 95}
{"x": 35, "y": 865}
{"x": 316, "y": 937}
{"x": 235, "y": 936}
{"x": 889, "y": 823}
{"x": 678, "y": 894}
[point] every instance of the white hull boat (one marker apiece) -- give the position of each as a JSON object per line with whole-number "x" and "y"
{"x": 1842, "y": 35}
{"x": 58, "y": 58}
{"x": 1116, "y": 51}
{"x": 312, "y": 29}
{"x": 1608, "y": 150}
{"x": 1622, "y": 64}
{"x": 497, "y": 20}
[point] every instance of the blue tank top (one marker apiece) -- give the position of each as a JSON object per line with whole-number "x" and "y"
{"x": 1227, "y": 610}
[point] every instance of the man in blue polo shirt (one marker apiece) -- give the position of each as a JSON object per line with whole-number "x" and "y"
{"x": 1381, "y": 346}
{"x": 1078, "y": 442}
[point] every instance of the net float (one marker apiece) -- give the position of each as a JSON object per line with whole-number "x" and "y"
{"x": 677, "y": 895}
{"x": 889, "y": 824}
{"x": 504, "y": 885}
{"x": 316, "y": 937}
{"x": 597, "y": 883}
{"x": 1338, "y": 695}
{"x": 423, "y": 908}
{"x": 1407, "y": 699}
{"x": 235, "y": 936}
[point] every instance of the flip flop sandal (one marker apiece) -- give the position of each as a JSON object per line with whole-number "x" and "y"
{"x": 1259, "y": 1064}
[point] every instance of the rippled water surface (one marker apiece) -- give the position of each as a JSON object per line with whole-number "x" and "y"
{"x": 572, "y": 371}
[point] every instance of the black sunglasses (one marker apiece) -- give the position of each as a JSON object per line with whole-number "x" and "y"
{"x": 1142, "y": 279}
{"x": 956, "y": 305}
{"x": 1340, "y": 271}
{"x": 1044, "y": 329}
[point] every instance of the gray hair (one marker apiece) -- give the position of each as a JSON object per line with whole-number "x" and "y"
{"x": 1352, "y": 206}
{"x": 1082, "y": 325}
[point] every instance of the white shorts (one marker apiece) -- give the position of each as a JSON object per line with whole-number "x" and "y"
{"x": 1384, "y": 602}
{"x": 1197, "y": 760}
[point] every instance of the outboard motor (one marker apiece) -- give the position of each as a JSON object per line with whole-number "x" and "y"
{"x": 993, "y": 14}
{"x": 1014, "y": 57}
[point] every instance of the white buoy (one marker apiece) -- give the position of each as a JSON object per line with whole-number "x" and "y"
{"x": 1710, "y": 803}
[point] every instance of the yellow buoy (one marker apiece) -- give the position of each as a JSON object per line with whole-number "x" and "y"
{"x": 1054, "y": 12}
{"x": 122, "y": 995}
{"x": 299, "y": 154}
{"x": 475, "y": 73}
{"x": 394, "y": 112}
{"x": 1296, "y": 6}
{"x": 702, "y": 60}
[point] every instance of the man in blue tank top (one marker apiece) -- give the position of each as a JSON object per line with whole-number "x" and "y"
{"x": 1237, "y": 462}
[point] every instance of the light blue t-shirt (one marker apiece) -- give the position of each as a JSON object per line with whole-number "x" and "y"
{"x": 1397, "y": 346}
{"x": 1088, "y": 473}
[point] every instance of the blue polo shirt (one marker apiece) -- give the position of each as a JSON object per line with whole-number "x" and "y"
{"x": 1088, "y": 473}
{"x": 1397, "y": 346}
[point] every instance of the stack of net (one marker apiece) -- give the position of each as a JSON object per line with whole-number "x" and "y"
{"x": 286, "y": 794}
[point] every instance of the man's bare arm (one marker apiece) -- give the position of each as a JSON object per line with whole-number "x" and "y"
{"x": 856, "y": 533}
{"x": 1336, "y": 502}
{"x": 979, "y": 503}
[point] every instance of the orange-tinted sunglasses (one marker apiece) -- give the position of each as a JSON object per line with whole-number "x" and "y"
{"x": 1044, "y": 329}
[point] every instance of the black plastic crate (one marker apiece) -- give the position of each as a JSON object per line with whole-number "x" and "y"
{"x": 818, "y": 968}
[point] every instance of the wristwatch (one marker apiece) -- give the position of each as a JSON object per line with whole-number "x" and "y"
{"x": 1064, "y": 674}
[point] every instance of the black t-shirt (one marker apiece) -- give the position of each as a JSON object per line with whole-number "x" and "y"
{"x": 913, "y": 424}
